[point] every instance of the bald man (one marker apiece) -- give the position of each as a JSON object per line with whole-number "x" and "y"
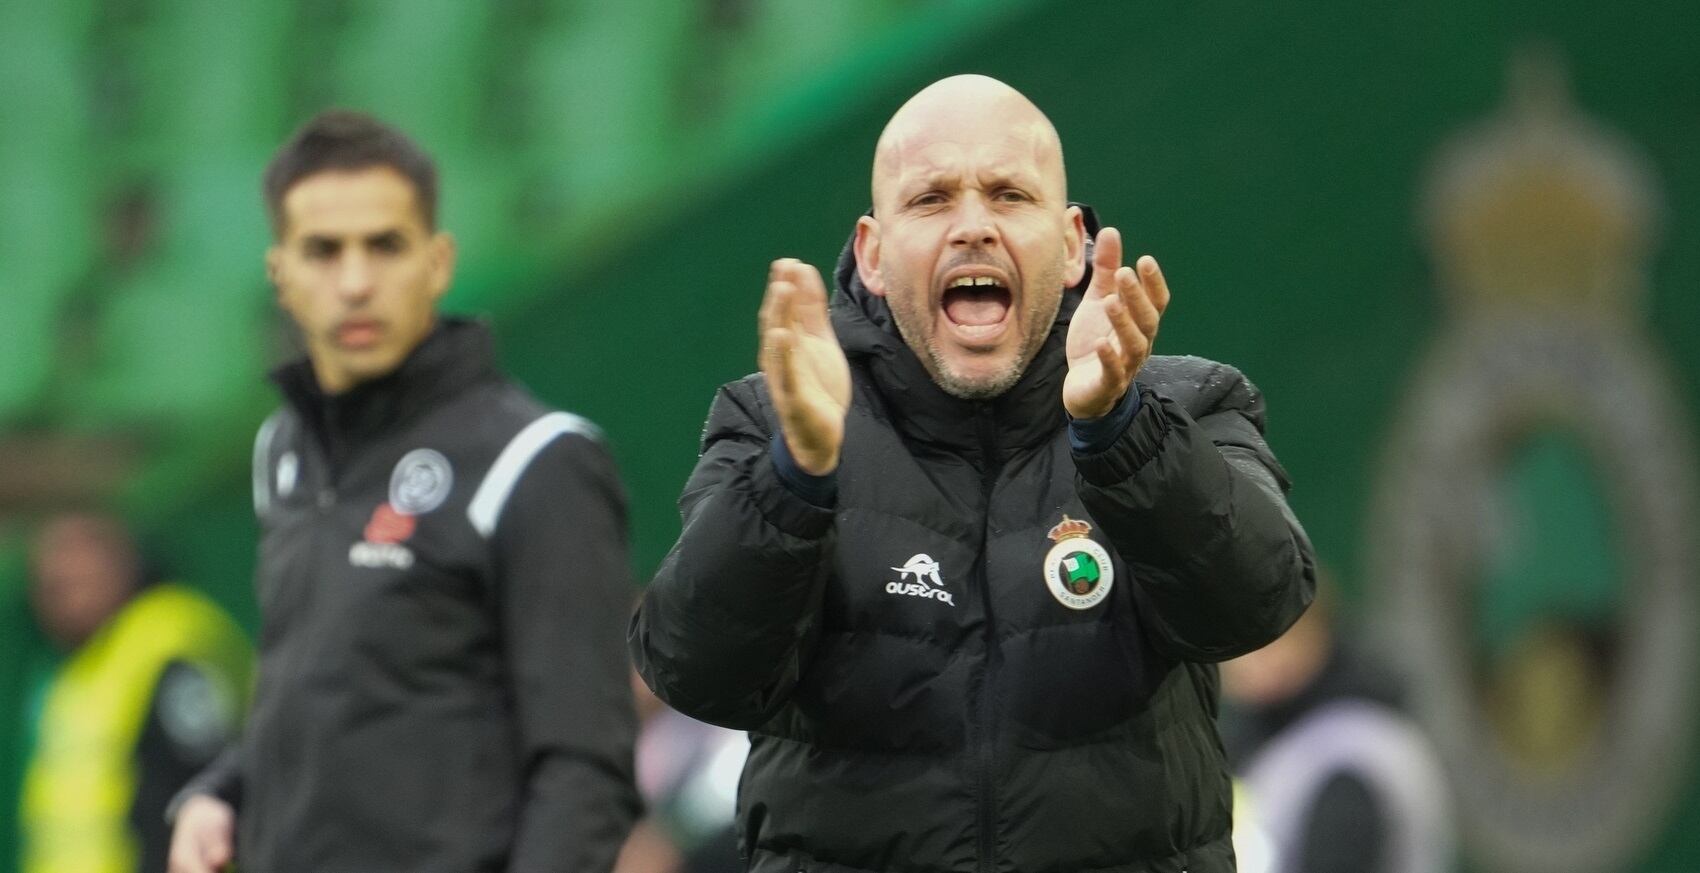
{"x": 963, "y": 555}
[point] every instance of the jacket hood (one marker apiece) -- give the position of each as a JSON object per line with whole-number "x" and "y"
{"x": 1030, "y": 411}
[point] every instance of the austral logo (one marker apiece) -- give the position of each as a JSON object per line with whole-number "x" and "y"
{"x": 1077, "y": 570}
{"x": 927, "y": 582}
{"x": 384, "y": 535}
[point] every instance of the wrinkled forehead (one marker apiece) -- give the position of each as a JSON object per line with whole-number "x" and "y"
{"x": 958, "y": 147}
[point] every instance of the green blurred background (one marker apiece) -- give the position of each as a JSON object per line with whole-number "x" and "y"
{"x": 619, "y": 174}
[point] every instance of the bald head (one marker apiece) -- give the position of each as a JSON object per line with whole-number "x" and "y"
{"x": 964, "y": 113}
{"x": 972, "y": 239}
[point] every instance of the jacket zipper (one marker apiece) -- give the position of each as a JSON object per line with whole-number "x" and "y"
{"x": 985, "y": 756}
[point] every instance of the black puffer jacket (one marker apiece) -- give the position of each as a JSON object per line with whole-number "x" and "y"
{"x": 919, "y": 698}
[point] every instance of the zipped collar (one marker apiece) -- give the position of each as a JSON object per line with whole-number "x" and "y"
{"x": 1028, "y": 413}
{"x": 457, "y": 354}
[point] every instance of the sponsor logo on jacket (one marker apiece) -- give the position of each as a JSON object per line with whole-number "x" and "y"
{"x": 927, "y": 582}
{"x": 384, "y": 535}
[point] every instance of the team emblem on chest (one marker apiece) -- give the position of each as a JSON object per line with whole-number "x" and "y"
{"x": 419, "y": 484}
{"x": 1077, "y": 570}
{"x": 420, "y": 481}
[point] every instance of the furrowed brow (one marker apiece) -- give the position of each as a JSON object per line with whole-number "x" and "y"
{"x": 935, "y": 180}
{"x": 387, "y": 238}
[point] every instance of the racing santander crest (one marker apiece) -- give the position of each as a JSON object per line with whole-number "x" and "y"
{"x": 1078, "y": 570}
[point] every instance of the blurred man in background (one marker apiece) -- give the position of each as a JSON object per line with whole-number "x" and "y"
{"x": 1335, "y": 778}
{"x": 443, "y": 572}
{"x": 153, "y": 681}
{"x": 688, "y": 773}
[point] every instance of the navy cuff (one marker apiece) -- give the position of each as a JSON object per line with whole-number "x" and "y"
{"x": 822, "y": 491}
{"x": 1089, "y": 436}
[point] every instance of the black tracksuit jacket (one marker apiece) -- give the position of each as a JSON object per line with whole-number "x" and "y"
{"x": 998, "y": 730}
{"x": 443, "y": 583}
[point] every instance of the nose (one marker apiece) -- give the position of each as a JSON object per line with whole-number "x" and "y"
{"x": 974, "y": 226}
{"x": 354, "y": 276}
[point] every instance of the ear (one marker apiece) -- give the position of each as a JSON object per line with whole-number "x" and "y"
{"x": 274, "y": 268}
{"x": 867, "y": 249}
{"x": 444, "y": 251}
{"x": 1074, "y": 247}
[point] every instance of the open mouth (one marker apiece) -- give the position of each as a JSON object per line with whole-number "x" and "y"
{"x": 976, "y": 306}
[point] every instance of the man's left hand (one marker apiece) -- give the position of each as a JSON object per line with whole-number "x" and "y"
{"x": 1113, "y": 330}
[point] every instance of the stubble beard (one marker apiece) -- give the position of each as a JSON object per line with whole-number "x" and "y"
{"x": 914, "y": 318}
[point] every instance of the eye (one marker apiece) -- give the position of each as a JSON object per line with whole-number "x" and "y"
{"x": 320, "y": 249}
{"x": 387, "y": 243}
{"x": 929, "y": 199}
{"x": 1012, "y": 195}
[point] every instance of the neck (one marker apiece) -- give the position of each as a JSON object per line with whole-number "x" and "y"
{"x": 332, "y": 380}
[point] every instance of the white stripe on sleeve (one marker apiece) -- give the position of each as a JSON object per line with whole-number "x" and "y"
{"x": 262, "y": 463}
{"x": 498, "y": 484}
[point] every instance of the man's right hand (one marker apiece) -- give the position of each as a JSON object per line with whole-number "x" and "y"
{"x": 204, "y": 840}
{"x": 806, "y": 372}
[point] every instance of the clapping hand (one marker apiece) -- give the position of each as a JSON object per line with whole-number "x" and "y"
{"x": 806, "y": 372}
{"x": 1113, "y": 330}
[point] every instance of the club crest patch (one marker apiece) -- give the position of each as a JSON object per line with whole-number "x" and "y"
{"x": 1077, "y": 570}
{"x": 421, "y": 482}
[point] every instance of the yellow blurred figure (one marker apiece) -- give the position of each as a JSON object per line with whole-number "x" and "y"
{"x": 151, "y": 687}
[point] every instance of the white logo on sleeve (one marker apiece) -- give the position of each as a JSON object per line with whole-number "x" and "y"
{"x": 288, "y": 468}
{"x": 421, "y": 482}
{"x": 927, "y": 582}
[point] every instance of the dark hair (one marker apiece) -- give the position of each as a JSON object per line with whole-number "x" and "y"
{"x": 342, "y": 139}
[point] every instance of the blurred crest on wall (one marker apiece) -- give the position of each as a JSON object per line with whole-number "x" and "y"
{"x": 1532, "y": 537}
